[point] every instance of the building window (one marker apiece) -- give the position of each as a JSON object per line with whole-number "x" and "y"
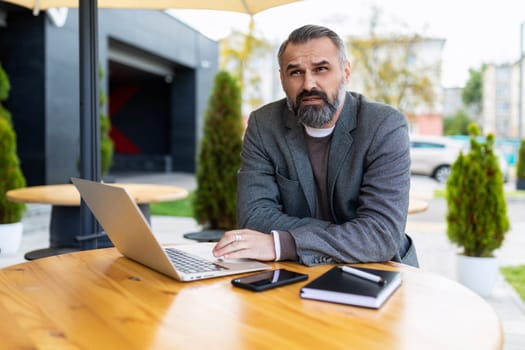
{"x": 502, "y": 107}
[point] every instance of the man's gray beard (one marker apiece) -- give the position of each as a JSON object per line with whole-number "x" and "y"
{"x": 318, "y": 116}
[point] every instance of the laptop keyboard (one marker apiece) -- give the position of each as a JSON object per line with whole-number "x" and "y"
{"x": 187, "y": 263}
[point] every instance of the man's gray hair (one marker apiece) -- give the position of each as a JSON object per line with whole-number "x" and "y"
{"x": 308, "y": 32}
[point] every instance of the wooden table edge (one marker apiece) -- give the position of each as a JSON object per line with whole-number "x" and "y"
{"x": 71, "y": 198}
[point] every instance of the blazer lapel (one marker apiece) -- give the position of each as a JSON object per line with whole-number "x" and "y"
{"x": 297, "y": 146}
{"x": 342, "y": 140}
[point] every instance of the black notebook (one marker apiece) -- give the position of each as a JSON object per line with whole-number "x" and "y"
{"x": 341, "y": 287}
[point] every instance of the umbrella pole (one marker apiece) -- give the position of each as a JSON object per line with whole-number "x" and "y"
{"x": 89, "y": 120}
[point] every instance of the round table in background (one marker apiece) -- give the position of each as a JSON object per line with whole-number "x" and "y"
{"x": 416, "y": 205}
{"x": 64, "y": 226}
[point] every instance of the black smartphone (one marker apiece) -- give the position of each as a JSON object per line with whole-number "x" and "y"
{"x": 269, "y": 279}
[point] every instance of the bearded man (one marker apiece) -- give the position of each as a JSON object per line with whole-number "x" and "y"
{"x": 325, "y": 173}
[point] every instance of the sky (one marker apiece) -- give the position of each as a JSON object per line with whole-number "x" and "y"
{"x": 475, "y": 31}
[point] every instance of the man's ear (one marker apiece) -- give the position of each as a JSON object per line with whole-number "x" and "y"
{"x": 281, "y": 76}
{"x": 347, "y": 71}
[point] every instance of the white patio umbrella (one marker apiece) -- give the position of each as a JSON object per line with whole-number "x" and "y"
{"x": 250, "y": 7}
{"x": 88, "y": 63}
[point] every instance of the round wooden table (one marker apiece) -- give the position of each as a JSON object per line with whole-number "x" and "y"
{"x": 416, "y": 205}
{"x": 100, "y": 300}
{"x": 64, "y": 227}
{"x": 67, "y": 195}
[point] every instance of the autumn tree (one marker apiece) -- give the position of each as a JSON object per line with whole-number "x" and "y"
{"x": 472, "y": 93}
{"x": 388, "y": 69}
{"x": 240, "y": 54}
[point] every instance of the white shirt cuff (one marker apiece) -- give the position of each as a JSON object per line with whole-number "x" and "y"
{"x": 277, "y": 245}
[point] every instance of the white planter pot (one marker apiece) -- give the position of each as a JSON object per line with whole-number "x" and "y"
{"x": 10, "y": 238}
{"x": 478, "y": 274}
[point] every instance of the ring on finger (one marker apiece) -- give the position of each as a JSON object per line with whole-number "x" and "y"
{"x": 238, "y": 237}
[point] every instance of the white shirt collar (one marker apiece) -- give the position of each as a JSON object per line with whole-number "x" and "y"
{"x": 318, "y": 133}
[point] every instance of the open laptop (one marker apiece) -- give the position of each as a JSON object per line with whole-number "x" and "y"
{"x": 131, "y": 234}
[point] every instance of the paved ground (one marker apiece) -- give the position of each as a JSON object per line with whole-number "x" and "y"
{"x": 428, "y": 229}
{"x": 436, "y": 254}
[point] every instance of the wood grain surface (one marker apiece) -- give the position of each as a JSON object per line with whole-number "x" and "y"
{"x": 67, "y": 194}
{"x": 100, "y": 300}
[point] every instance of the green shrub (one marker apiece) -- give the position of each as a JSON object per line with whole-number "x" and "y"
{"x": 11, "y": 176}
{"x": 218, "y": 158}
{"x": 106, "y": 143}
{"x": 520, "y": 165}
{"x": 476, "y": 209}
{"x": 5, "y": 85}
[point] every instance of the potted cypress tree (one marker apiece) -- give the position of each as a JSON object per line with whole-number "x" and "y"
{"x": 477, "y": 212}
{"x": 11, "y": 177}
{"x": 520, "y": 167}
{"x": 218, "y": 161}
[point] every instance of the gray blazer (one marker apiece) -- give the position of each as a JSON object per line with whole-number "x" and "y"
{"x": 368, "y": 183}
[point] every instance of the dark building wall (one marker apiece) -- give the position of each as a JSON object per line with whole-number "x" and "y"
{"x": 194, "y": 59}
{"x": 23, "y": 57}
{"x": 42, "y": 62}
{"x": 183, "y": 144}
{"x": 208, "y": 61}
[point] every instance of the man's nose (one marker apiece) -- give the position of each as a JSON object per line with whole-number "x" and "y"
{"x": 309, "y": 81}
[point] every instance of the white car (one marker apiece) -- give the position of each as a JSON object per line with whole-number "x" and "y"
{"x": 434, "y": 155}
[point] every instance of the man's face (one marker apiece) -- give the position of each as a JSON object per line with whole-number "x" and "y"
{"x": 313, "y": 80}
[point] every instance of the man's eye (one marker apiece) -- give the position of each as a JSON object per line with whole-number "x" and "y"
{"x": 296, "y": 72}
{"x": 321, "y": 69}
